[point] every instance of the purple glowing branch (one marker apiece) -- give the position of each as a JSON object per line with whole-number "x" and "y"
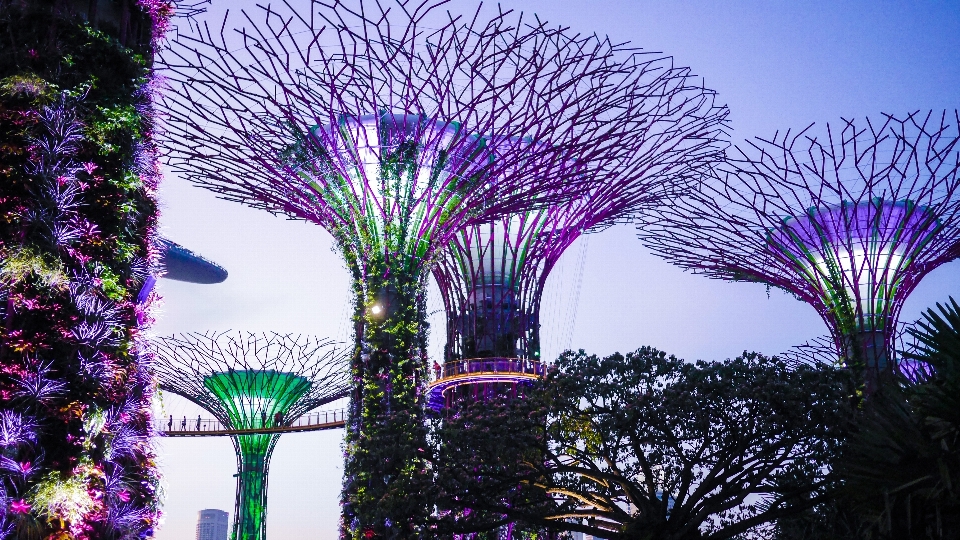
{"x": 491, "y": 87}
{"x": 848, "y": 221}
{"x": 492, "y": 275}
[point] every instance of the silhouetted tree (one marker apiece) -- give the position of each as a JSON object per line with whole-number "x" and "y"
{"x": 902, "y": 467}
{"x": 648, "y": 446}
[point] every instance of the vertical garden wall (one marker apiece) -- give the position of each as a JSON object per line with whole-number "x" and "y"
{"x": 77, "y": 216}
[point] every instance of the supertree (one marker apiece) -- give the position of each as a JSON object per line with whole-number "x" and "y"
{"x": 254, "y": 384}
{"x": 393, "y": 127}
{"x": 848, "y": 220}
{"x": 78, "y": 213}
{"x": 491, "y": 276}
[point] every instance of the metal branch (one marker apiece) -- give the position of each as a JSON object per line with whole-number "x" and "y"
{"x": 848, "y": 219}
{"x": 288, "y": 113}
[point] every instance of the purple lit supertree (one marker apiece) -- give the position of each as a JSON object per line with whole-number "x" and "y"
{"x": 848, "y": 220}
{"x": 393, "y": 128}
{"x": 492, "y": 275}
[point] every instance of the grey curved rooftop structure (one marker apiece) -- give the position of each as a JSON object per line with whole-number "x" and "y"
{"x": 181, "y": 264}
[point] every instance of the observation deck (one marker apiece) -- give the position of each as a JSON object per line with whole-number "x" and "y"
{"x": 481, "y": 370}
{"x": 211, "y": 427}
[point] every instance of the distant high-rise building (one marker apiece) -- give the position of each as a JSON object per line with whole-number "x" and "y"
{"x": 584, "y": 536}
{"x": 212, "y": 525}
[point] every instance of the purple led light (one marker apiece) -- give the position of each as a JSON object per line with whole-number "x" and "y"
{"x": 873, "y": 207}
{"x": 900, "y": 225}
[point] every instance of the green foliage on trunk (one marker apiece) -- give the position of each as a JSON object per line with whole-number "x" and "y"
{"x": 387, "y": 483}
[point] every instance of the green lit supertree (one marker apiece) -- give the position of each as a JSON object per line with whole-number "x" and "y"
{"x": 255, "y": 385}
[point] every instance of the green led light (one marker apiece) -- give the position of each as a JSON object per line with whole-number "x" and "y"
{"x": 253, "y": 400}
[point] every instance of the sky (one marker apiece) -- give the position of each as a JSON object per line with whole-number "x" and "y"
{"x": 776, "y": 64}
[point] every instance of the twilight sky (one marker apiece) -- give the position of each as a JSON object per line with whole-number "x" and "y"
{"x": 777, "y": 64}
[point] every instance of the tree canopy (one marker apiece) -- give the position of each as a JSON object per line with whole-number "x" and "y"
{"x": 645, "y": 445}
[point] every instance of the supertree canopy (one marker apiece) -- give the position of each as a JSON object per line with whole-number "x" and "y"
{"x": 492, "y": 275}
{"x": 253, "y": 384}
{"x": 848, "y": 220}
{"x": 78, "y": 213}
{"x": 393, "y": 127}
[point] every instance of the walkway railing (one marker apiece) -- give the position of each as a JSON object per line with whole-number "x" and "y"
{"x": 490, "y": 365}
{"x": 480, "y": 371}
{"x": 211, "y": 427}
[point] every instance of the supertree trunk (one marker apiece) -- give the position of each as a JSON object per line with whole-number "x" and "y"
{"x": 388, "y": 369}
{"x": 253, "y": 468}
{"x": 77, "y": 182}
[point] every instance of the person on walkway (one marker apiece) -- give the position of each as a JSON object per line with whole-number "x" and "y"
{"x": 170, "y": 424}
{"x": 183, "y": 425}
{"x": 198, "y": 422}
{"x": 278, "y": 419}
{"x": 263, "y": 419}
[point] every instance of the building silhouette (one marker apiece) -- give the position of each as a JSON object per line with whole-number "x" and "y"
{"x": 212, "y": 525}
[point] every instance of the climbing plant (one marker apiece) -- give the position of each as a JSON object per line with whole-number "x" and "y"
{"x": 78, "y": 213}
